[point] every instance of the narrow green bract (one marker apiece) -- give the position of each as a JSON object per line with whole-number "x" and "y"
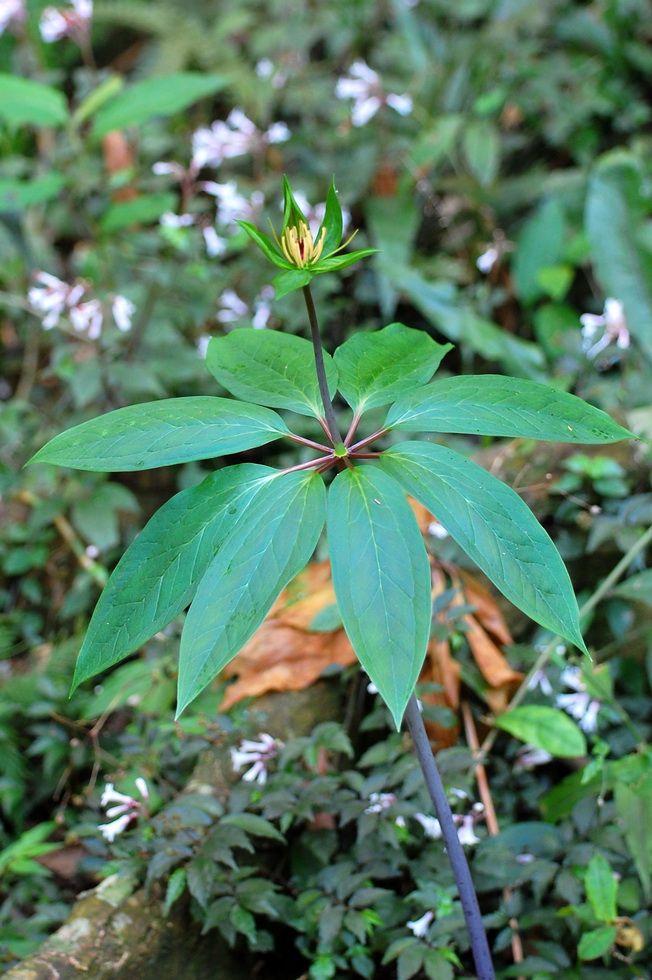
{"x": 381, "y": 577}
{"x": 268, "y": 543}
{"x": 175, "y": 430}
{"x": 495, "y": 528}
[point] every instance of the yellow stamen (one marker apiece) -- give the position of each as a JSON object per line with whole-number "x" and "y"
{"x": 299, "y": 247}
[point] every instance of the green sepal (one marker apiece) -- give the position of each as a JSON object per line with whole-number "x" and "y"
{"x": 266, "y": 245}
{"x": 288, "y": 282}
{"x": 334, "y": 262}
{"x": 292, "y": 213}
{"x": 332, "y": 221}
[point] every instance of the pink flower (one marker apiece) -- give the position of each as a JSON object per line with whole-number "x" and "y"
{"x": 126, "y": 810}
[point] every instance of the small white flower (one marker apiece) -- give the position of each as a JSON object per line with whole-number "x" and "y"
{"x": 580, "y": 705}
{"x": 232, "y": 308}
{"x": 431, "y": 826}
{"x": 92, "y": 551}
{"x": 487, "y": 260}
{"x": 258, "y": 755}
{"x": 379, "y": 802}
{"x": 262, "y": 308}
{"x": 214, "y": 244}
{"x": 265, "y": 68}
{"x": 231, "y": 205}
{"x": 598, "y": 332}
{"x": 142, "y": 787}
{"x": 364, "y": 86}
{"x": 540, "y": 680}
{"x": 437, "y": 530}
{"x": 420, "y": 926}
{"x": 528, "y": 757}
{"x": 171, "y": 220}
{"x": 202, "y": 343}
{"x": 72, "y": 22}
{"x": 88, "y": 318}
{"x": 111, "y": 795}
{"x": 123, "y": 310}
{"x": 111, "y": 830}
{"x": 465, "y": 832}
{"x": 12, "y": 12}
{"x": 52, "y": 296}
{"x": 233, "y": 138}
{"x": 525, "y": 858}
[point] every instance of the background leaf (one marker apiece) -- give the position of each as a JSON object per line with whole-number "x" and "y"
{"x": 155, "y": 97}
{"x": 601, "y": 888}
{"x": 375, "y": 368}
{"x": 493, "y": 405}
{"x": 157, "y": 576}
{"x": 268, "y": 543}
{"x": 25, "y": 102}
{"x": 616, "y": 211}
{"x": 270, "y": 368}
{"x": 174, "y": 430}
{"x": 544, "y": 728}
{"x": 381, "y": 576}
{"x": 495, "y": 528}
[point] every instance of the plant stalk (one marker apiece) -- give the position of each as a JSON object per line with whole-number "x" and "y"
{"x": 468, "y": 898}
{"x": 329, "y": 411}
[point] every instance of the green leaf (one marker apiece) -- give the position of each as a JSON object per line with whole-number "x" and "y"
{"x": 266, "y": 245}
{"x": 631, "y": 778}
{"x": 596, "y": 942}
{"x": 288, "y": 282}
{"x": 142, "y": 210}
{"x": 493, "y": 405}
{"x": 381, "y": 577}
{"x": 271, "y": 368}
{"x": 268, "y": 544}
{"x": 495, "y": 528}
{"x": 17, "y": 195}
{"x": 539, "y": 245}
{"x": 637, "y": 588}
{"x": 174, "y": 430}
{"x": 481, "y": 145}
{"x": 617, "y": 209}
{"x": 175, "y": 889}
{"x": 253, "y": 824}
{"x": 544, "y": 728}
{"x": 375, "y": 368}
{"x": 158, "y": 574}
{"x": 155, "y": 97}
{"x": 601, "y": 888}
{"x": 97, "y": 97}
{"x": 25, "y": 102}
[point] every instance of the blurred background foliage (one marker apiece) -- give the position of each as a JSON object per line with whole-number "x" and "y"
{"x": 497, "y": 153}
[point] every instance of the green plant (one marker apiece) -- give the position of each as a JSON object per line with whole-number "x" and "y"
{"x": 231, "y": 544}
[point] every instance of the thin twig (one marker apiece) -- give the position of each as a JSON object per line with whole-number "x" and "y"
{"x": 492, "y": 821}
{"x": 456, "y": 856}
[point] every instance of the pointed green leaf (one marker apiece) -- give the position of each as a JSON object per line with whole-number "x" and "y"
{"x": 375, "y": 368}
{"x": 292, "y": 213}
{"x": 269, "y": 542}
{"x": 288, "y": 282}
{"x": 596, "y": 942}
{"x": 545, "y": 728}
{"x": 381, "y": 577}
{"x": 161, "y": 96}
{"x": 332, "y": 221}
{"x": 334, "y": 262}
{"x": 493, "y": 405}
{"x": 174, "y": 430}
{"x": 266, "y": 245}
{"x": 601, "y": 888}
{"x": 26, "y": 102}
{"x": 272, "y": 368}
{"x": 495, "y": 528}
{"x": 157, "y": 576}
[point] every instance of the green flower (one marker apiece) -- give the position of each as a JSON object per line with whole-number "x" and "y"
{"x": 296, "y": 251}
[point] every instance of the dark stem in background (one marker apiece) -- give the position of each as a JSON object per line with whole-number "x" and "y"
{"x": 456, "y": 856}
{"x": 329, "y": 412}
